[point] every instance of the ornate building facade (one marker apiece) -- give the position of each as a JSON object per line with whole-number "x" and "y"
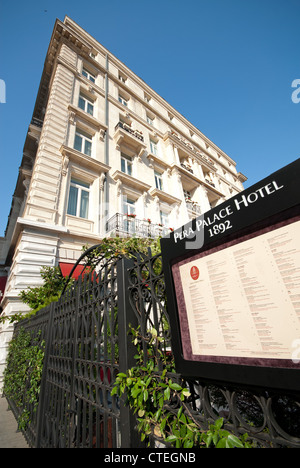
{"x": 104, "y": 155}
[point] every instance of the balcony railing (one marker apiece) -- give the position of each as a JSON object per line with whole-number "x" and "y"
{"x": 128, "y": 129}
{"x": 37, "y": 122}
{"x": 210, "y": 182}
{"x": 129, "y": 225}
{"x": 187, "y": 167}
{"x": 193, "y": 206}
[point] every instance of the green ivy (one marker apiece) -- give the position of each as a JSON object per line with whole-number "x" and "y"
{"x": 23, "y": 374}
{"x": 118, "y": 246}
{"x": 149, "y": 391}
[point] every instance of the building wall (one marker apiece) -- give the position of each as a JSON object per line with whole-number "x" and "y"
{"x": 157, "y": 138}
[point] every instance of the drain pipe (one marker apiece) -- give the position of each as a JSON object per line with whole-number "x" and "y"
{"x": 106, "y": 147}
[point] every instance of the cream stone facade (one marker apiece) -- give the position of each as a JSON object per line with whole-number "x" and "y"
{"x": 104, "y": 155}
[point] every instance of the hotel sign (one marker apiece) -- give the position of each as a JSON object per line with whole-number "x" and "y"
{"x": 233, "y": 287}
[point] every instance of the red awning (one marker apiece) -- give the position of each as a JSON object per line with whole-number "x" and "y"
{"x": 66, "y": 269}
{"x": 3, "y": 280}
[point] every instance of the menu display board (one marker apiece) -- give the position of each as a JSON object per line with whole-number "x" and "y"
{"x": 243, "y": 301}
{"x": 233, "y": 287}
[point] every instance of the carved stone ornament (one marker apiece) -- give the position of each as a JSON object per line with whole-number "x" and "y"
{"x": 72, "y": 117}
{"x": 101, "y": 182}
{"x": 119, "y": 188}
{"x": 65, "y": 164}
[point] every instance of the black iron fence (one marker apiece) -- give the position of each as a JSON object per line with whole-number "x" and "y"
{"x": 87, "y": 345}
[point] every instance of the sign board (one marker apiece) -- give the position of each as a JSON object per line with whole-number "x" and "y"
{"x": 233, "y": 287}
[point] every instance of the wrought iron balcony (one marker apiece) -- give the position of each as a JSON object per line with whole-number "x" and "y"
{"x": 210, "y": 182}
{"x": 129, "y": 130}
{"x": 187, "y": 167}
{"x": 193, "y": 206}
{"x": 128, "y": 225}
{"x": 37, "y": 122}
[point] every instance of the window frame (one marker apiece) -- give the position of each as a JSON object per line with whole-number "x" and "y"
{"x": 87, "y": 101}
{"x": 81, "y": 187}
{"x": 129, "y": 214}
{"x": 88, "y": 75}
{"x": 150, "y": 120}
{"x": 128, "y": 163}
{"x": 85, "y": 138}
{"x": 123, "y": 100}
{"x": 154, "y": 147}
{"x": 163, "y": 215}
{"x": 129, "y": 203}
{"x": 159, "y": 183}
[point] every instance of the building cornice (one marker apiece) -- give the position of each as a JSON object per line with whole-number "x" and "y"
{"x": 98, "y": 126}
{"x": 164, "y": 196}
{"x": 84, "y": 43}
{"x": 75, "y": 28}
{"x": 83, "y": 160}
{"x": 131, "y": 181}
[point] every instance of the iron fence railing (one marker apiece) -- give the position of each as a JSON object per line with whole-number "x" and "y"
{"x": 87, "y": 344}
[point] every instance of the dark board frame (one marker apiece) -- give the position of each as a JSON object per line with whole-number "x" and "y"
{"x": 272, "y": 202}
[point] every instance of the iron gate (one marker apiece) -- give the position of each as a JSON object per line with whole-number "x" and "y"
{"x": 82, "y": 360}
{"x": 87, "y": 345}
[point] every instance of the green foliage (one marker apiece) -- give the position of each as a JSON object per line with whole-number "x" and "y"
{"x": 53, "y": 281}
{"x": 23, "y": 373}
{"x": 40, "y": 296}
{"x": 119, "y": 246}
{"x": 149, "y": 391}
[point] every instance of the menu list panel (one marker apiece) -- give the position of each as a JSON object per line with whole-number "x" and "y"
{"x": 244, "y": 300}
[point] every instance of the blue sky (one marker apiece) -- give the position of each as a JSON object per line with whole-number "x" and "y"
{"x": 226, "y": 65}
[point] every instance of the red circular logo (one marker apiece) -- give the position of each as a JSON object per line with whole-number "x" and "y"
{"x": 195, "y": 272}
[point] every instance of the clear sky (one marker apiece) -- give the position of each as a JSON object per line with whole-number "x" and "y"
{"x": 226, "y": 65}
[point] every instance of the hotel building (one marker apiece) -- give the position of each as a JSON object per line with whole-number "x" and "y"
{"x": 104, "y": 155}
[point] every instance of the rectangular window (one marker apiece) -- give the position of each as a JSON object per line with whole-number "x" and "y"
{"x": 86, "y": 104}
{"x": 158, "y": 180}
{"x": 128, "y": 206}
{"x": 126, "y": 164}
{"x": 123, "y": 100}
{"x": 129, "y": 215}
{"x": 150, "y": 120}
{"x": 164, "y": 218}
{"x": 78, "y": 203}
{"x": 187, "y": 194}
{"x": 154, "y": 147}
{"x": 122, "y": 78}
{"x": 83, "y": 142}
{"x": 88, "y": 75}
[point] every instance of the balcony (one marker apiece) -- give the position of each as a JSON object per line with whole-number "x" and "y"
{"x": 187, "y": 167}
{"x": 208, "y": 181}
{"x": 124, "y": 225}
{"x": 190, "y": 149}
{"x": 37, "y": 122}
{"x": 124, "y": 134}
{"x": 193, "y": 206}
{"x": 35, "y": 129}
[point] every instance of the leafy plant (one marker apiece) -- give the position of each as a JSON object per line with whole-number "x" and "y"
{"x": 153, "y": 394}
{"x": 41, "y": 296}
{"x": 23, "y": 373}
{"x": 118, "y": 246}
